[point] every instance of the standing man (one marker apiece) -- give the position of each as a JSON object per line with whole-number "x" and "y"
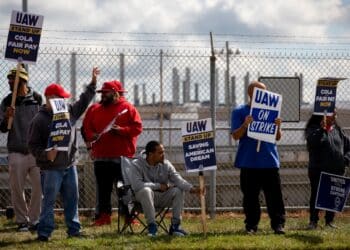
{"x": 156, "y": 183}
{"x": 259, "y": 170}
{"x": 112, "y": 128}
{"x": 21, "y": 162}
{"x": 59, "y": 167}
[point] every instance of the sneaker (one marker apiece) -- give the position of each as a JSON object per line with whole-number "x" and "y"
{"x": 104, "y": 219}
{"x": 331, "y": 225}
{"x": 33, "y": 227}
{"x": 42, "y": 238}
{"x": 312, "y": 225}
{"x": 250, "y": 231}
{"x": 279, "y": 230}
{"x": 22, "y": 227}
{"x": 152, "y": 230}
{"x": 79, "y": 234}
{"x": 176, "y": 230}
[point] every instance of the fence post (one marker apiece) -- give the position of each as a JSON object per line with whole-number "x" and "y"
{"x": 58, "y": 71}
{"x": 121, "y": 68}
{"x": 227, "y": 77}
{"x": 73, "y": 74}
{"x": 212, "y": 192}
{"x": 161, "y": 97}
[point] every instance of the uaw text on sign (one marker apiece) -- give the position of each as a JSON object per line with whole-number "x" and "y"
{"x": 24, "y": 37}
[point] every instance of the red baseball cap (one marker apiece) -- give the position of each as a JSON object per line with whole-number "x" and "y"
{"x": 114, "y": 85}
{"x": 57, "y": 90}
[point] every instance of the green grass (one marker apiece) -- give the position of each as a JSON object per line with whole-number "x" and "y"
{"x": 224, "y": 232}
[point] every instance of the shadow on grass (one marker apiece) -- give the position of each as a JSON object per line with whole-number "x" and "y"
{"x": 8, "y": 230}
{"x": 15, "y": 242}
{"x": 306, "y": 238}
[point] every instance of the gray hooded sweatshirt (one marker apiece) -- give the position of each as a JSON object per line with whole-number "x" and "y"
{"x": 145, "y": 175}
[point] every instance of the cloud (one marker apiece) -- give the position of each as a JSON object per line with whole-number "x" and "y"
{"x": 286, "y": 17}
{"x": 307, "y": 17}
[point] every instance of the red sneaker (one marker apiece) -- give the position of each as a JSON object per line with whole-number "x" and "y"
{"x": 104, "y": 219}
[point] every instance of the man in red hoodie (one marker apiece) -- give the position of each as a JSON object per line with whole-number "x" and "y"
{"x": 112, "y": 128}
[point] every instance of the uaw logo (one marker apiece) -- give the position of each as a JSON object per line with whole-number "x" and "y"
{"x": 337, "y": 202}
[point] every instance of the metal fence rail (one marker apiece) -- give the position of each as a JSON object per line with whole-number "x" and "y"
{"x": 169, "y": 87}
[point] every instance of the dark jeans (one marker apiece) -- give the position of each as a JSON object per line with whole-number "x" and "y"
{"x": 314, "y": 177}
{"x": 268, "y": 180}
{"x": 107, "y": 174}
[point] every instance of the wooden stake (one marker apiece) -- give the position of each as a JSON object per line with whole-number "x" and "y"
{"x": 258, "y": 146}
{"x": 14, "y": 95}
{"x": 202, "y": 195}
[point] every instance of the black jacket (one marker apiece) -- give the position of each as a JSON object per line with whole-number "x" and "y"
{"x": 39, "y": 132}
{"x": 26, "y": 108}
{"x": 328, "y": 151}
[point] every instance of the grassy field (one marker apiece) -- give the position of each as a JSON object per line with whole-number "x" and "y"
{"x": 224, "y": 232}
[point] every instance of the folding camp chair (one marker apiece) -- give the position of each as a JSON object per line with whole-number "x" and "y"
{"x": 129, "y": 208}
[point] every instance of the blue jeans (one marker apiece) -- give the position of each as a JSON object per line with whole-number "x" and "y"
{"x": 66, "y": 182}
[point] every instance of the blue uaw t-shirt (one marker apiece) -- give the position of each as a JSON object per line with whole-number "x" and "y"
{"x": 247, "y": 156}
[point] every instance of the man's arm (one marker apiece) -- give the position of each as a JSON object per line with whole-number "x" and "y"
{"x": 78, "y": 108}
{"x": 5, "y": 112}
{"x": 240, "y": 131}
{"x": 137, "y": 180}
{"x": 134, "y": 128}
{"x": 176, "y": 178}
{"x": 87, "y": 130}
{"x": 35, "y": 144}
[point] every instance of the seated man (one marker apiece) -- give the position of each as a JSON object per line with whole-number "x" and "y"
{"x": 156, "y": 183}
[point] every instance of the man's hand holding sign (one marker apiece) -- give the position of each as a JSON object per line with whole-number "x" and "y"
{"x": 256, "y": 121}
{"x": 264, "y": 120}
{"x": 22, "y": 46}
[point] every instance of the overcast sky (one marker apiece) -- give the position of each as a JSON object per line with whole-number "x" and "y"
{"x": 276, "y": 24}
{"x": 320, "y": 18}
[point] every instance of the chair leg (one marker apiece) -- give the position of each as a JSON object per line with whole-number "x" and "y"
{"x": 161, "y": 222}
{"x": 128, "y": 223}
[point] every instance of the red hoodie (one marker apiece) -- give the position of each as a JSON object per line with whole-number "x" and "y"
{"x": 111, "y": 144}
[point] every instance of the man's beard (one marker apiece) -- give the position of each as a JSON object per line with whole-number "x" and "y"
{"x": 107, "y": 100}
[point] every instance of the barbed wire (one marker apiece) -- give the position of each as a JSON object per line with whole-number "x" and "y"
{"x": 187, "y": 41}
{"x": 194, "y": 34}
{"x": 193, "y": 41}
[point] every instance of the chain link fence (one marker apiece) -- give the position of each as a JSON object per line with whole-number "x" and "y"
{"x": 172, "y": 86}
